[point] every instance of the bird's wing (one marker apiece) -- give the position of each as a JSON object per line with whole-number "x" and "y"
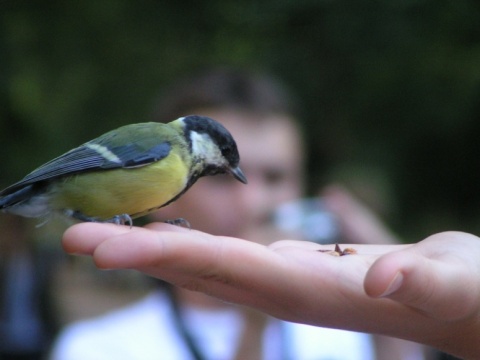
{"x": 91, "y": 156}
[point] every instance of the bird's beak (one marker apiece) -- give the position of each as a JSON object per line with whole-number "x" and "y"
{"x": 238, "y": 174}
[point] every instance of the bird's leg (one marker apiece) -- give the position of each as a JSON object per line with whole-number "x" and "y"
{"x": 79, "y": 216}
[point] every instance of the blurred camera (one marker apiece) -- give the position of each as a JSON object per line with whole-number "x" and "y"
{"x": 309, "y": 219}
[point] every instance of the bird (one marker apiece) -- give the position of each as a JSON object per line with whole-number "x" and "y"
{"x": 126, "y": 173}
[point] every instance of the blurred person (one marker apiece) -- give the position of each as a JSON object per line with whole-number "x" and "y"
{"x": 181, "y": 324}
{"x": 28, "y": 321}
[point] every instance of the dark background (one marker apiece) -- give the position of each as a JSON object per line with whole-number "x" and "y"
{"x": 389, "y": 89}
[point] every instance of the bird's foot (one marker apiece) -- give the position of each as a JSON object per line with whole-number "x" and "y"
{"x": 179, "y": 222}
{"x": 122, "y": 219}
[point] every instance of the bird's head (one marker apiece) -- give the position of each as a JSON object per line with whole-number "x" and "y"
{"x": 212, "y": 147}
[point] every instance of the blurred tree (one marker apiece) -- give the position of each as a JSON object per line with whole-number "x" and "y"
{"x": 387, "y": 84}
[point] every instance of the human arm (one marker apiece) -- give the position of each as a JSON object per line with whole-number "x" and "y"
{"x": 437, "y": 303}
{"x": 357, "y": 222}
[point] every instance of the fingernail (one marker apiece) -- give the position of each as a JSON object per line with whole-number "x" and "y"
{"x": 394, "y": 285}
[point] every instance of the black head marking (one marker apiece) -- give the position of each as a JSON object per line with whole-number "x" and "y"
{"x": 217, "y": 132}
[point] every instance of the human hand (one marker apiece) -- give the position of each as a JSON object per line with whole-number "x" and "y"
{"x": 436, "y": 303}
{"x": 358, "y": 224}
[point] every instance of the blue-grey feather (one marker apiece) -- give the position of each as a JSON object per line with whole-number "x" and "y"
{"x": 84, "y": 159}
{"x": 133, "y": 158}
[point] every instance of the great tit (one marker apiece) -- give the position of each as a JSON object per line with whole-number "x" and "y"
{"x": 126, "y": 173}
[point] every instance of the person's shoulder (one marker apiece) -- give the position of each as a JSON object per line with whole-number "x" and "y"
{"x": 118, "y": 331}
{"x": 123, "y": 319}
{"x": 310, "y": 341}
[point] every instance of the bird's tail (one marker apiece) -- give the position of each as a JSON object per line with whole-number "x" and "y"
{"x": 17, "y": 197}
{"x": 28, "y": 201}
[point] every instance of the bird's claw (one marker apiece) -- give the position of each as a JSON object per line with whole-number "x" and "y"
{"x": 122, "y": 219}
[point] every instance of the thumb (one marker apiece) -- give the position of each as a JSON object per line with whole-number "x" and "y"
{"x": 434, "y": 286}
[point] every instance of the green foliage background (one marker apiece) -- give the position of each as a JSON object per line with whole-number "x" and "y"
{"x": 388, "y": 86}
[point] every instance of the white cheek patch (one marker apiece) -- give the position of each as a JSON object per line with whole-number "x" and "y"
{"x": 203, "y": 147}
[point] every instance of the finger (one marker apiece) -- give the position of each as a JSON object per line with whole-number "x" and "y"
{"x": 387, "y": 274}
{"x": 162, "y": 226}
{"x": 227, "y": 268}
{"x": 151, "y": 247}
{"x": 431, "y": 285}
{"x": 85, "y": 237}
{"x": 187, "y": 258}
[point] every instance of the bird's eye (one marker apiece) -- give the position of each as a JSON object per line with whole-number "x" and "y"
{"x": 226, "y": 151}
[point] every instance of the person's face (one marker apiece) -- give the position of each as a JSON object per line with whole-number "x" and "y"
{"x": 270, "y": 157}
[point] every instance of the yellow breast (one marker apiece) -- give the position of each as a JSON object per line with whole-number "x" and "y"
{"x": 135, "y": 191}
